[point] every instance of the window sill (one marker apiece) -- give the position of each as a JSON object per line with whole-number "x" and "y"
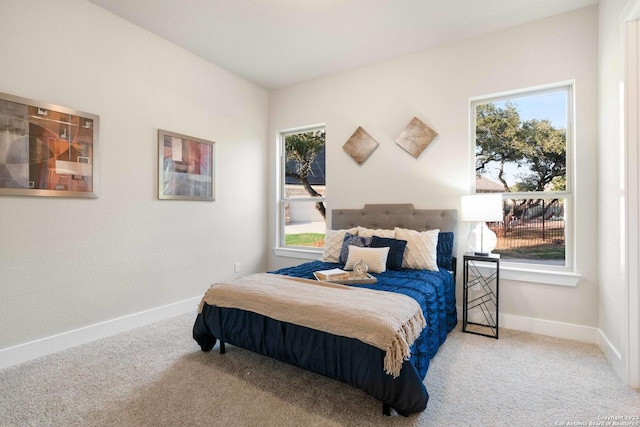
{"x": 561, "y": 278}
{"x": 548, "y": 277}
{"x": 298, "y": 253}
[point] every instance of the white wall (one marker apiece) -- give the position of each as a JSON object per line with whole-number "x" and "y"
{"x": 436, "y": 86}
{"x": 614, "y": 292}
{"x": 70, "y": 263}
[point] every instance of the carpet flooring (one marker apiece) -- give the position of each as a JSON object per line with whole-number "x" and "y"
{"x": 157, "y": 376}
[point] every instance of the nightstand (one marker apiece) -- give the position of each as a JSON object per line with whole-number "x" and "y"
{"x": 481, "y": 286}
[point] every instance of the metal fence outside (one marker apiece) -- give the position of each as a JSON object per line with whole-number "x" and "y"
{"x": 532, "y": 229}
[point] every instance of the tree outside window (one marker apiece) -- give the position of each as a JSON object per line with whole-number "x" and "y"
{"x": 302, "y": 206}
{"x": 521, "y": 152}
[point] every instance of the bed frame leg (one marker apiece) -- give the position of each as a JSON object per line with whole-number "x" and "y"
{"x": 223, "y": 350}
{"x": 386, "y": 409}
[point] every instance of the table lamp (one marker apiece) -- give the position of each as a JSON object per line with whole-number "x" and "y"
{"x": 481, "y": 208}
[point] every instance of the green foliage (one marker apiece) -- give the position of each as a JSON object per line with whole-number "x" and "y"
{"x": 304, "y": 239}
{"x": 497, "y": 138}
{"x": 544, "y": 148}
{"x": 535, "y": 146}
{"x": 558, "y": 183}
{"x": 301, "y": 150}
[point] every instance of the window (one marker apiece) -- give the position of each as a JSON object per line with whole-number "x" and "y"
{"x": 522, "y": 145}
{"x": 302, "y": 186}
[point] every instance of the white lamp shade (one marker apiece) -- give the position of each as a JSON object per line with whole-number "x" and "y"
{"x": 482, "y": 207}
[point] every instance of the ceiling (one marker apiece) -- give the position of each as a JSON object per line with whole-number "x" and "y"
{"x": 277, "y": 43}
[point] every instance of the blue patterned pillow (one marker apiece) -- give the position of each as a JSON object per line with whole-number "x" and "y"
{"x": 445, "y": 249}
{"x": 396, "y": 250}
{"x": 350, "y": 239}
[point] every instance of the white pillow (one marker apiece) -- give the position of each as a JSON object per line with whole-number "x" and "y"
{"x": 375, "y": 258}
{"x": 421, "y": 252}
{"x": 333, "y": 243}
{"x": 369, "y": 232}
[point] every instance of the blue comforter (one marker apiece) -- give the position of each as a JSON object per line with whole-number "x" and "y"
{"x": 434, "y": 291}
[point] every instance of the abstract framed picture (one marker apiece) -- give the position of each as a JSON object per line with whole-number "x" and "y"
{"x": 186, "y": 167}
{"x": 47, "y": 150}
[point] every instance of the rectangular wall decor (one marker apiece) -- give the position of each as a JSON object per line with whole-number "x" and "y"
{"x": 47, "y": 150}
{"x": 186, "y": 167}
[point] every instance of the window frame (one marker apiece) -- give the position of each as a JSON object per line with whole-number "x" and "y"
{"x": 550, "y": 274}
{"x": 281, "y": 249}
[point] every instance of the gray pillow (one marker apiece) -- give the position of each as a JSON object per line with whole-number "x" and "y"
{"x": 351, "y": 239}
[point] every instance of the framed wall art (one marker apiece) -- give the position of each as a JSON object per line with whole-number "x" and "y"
{"x": 47, "y": 150}
{"x": 186, "y": 167}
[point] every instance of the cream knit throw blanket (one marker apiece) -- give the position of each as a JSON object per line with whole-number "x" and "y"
{"x": 386, "y": 320}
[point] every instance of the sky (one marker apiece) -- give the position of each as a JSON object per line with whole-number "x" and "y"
{"x": 551, "y": 105}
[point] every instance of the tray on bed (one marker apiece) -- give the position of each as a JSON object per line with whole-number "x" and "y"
{"x": 352, "y": 280}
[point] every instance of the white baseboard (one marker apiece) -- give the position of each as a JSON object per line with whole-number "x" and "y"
{"x": 561, "y": 330}
{"x": 42, "y": 347}
{"x": 550, "y": 328}
{"x": 613, "y": 356}
{"x": 542, "y": 327}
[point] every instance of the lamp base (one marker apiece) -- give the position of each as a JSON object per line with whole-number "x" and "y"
{"x": 482, "y": 253}
{"x": 482, "y": 240}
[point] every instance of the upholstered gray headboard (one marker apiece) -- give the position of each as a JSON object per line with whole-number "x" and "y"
{"x": 398, "y": 215}
{"x": 395, "y": 215}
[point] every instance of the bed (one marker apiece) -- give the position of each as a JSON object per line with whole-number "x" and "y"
{"x": 342, "y": 357}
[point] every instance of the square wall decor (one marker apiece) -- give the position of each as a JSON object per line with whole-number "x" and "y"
{"x": 47, "y": 150}
{"x": 415, "y": 138}
{"x": 360, "y": 145}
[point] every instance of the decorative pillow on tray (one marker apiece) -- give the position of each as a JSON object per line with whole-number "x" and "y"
{"x": 375, "y": 258}
{"x": 421, "y": 252}
{"x": 352, "y": 240}
{"x": 370, "y": 232}
{"x": 396, "y": 250}
{"x": 333, "y": 243}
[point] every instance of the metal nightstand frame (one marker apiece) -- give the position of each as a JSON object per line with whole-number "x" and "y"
{"x": 486, "y": 299}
